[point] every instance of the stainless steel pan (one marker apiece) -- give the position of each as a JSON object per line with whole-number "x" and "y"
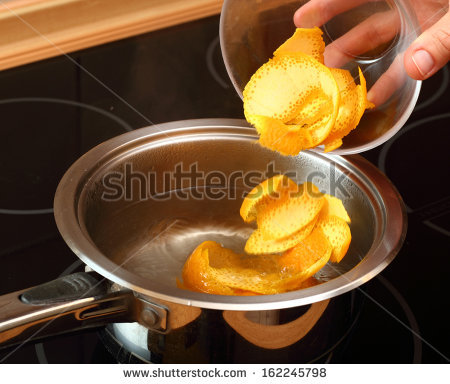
{"x": 126, "y": 212}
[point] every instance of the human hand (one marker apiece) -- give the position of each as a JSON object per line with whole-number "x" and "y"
{"x": 424, "y": 57}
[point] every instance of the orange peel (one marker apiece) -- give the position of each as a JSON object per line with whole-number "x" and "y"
{"x": 282, "y": 90}
{"x": 334, "y": 207}
{"x": 313, "y": 230}
{"x": 351, "y": 109}
{"x": 338, "y": 234}
{"x": 214, "y": 269}
{"x": 288, "y": 139}
{"x": 269, "y": 191}
{"x": 305, "y": 40}
{"x": 196, "y": 273}
{"x": 290, "y": 215}
{"x": 308, "y": 256}
{"x": 225, "y": 272}
{"x": 295, "y": 102}
{"x": 332, "y": 145}
{"x": 259, "y": 244}
{"x": 315, "y": 108}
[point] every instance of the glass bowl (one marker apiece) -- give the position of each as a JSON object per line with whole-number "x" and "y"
{"x": 251, "y": 30}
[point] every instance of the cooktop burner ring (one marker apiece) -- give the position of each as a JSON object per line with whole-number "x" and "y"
{"x": 48, "y": 100}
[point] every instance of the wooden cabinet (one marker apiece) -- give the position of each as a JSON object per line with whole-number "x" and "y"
{"x": 32, "y": 30}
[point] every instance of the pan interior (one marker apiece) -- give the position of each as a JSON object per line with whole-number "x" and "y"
{"x": 147, "y": 209}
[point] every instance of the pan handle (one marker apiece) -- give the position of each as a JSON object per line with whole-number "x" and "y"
{"x": 78, "y": 301}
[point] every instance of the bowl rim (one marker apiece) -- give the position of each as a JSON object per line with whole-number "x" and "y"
{"x": 390, "y": 230}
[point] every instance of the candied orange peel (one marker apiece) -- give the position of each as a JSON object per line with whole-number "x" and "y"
{"x": 299, "y": 230}
{"x": 295, "y": 102}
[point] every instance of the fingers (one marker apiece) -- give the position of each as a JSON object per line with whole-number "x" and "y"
{"x": 376, "y": 30}
{"x": 430, "y": 52}
{"x": 315, "y": 13}
{"x": 388, "y": 82}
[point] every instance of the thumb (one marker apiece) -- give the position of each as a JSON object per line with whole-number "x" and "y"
{"x": 430, "y": 51}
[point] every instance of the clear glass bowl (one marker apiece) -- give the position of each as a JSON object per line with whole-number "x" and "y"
{"x": 251, "y": 30}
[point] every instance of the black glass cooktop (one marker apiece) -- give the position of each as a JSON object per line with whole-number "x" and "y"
{"x": 54, "y": 111}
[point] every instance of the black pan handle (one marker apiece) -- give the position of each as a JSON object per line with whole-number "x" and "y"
{"x": 69, "y": 303}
